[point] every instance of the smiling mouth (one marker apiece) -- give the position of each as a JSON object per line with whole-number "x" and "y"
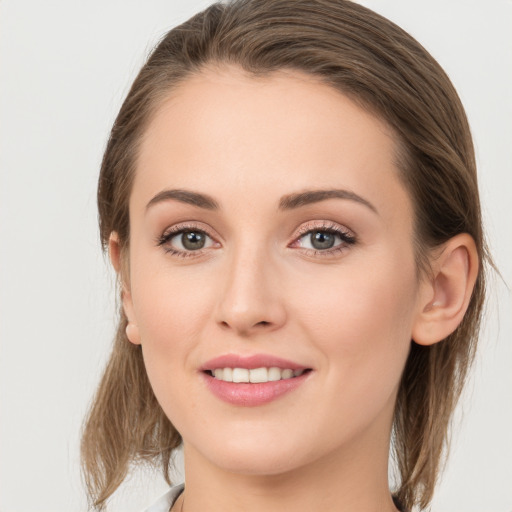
{"x": 255, "y": 375}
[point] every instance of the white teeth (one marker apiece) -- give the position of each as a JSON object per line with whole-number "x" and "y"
{"x": 227, "y": 374}
{"x": 256, "y": 375}
{"x": 274, "y": 374}
{"x": 240, "y": 375}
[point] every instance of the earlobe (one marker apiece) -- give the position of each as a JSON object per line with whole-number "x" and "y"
{"x": 445, "y": 298}
{"x": 132, "y": 333}
{"x": 114, "y": 251}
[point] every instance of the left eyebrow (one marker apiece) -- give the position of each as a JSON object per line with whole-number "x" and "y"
{"x": 299, "y": 199}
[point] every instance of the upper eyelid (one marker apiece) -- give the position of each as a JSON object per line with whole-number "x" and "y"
{"x": 324, "y": 225}
{"x": 303, "y": 229}
{"x": 184, "y": 226}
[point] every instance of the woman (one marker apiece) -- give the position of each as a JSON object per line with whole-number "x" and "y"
{"x": 289, "y": 197}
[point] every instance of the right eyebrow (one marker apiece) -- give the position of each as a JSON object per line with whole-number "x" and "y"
{"x": 184, "y": 196}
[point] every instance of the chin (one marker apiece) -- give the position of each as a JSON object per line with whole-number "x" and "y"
{"x": 261, "y": 454}
{"x": 260, "y": 464}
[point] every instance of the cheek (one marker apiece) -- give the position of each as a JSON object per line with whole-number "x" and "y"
{"x": 362, "y": 328}
{"x": 361, "y": 316}
{"x": 169, "y": 303}
{"x": 170, "y": 311}
{"x": 170, "y": 307}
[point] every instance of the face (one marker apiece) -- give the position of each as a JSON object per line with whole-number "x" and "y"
{"x": 272, "y": 236}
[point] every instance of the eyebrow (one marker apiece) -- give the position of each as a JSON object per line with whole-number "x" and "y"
{"x": 297, "y": 200}
{"x": 185, "y": 196}
{"x": 287, "y": 202}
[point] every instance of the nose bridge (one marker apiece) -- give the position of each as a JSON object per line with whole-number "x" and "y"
{"x": 251, "y": 297}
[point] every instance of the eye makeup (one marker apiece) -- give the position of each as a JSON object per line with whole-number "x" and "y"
{"x": 314, "y": 238}
{"x": 325, "y": 238}
{"x": 192, "y": 234}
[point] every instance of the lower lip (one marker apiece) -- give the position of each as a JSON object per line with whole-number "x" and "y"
{"x": 252, "y": 395}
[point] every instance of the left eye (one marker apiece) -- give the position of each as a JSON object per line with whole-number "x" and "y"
{"x": 321, "y": 239}
{"x": 190, "y": 240}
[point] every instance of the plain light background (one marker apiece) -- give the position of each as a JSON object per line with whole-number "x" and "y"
{"x": 65, "y": 66}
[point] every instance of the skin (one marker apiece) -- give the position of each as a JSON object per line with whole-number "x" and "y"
{"x": 258, "y": 287}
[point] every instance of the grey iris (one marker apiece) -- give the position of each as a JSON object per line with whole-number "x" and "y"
{"x": 192, "y": 240}
{"x": 322, "y": 239}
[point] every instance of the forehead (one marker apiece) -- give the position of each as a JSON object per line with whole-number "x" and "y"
{"x": 223, "y": 132}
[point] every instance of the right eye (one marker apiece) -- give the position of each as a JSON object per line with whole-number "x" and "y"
{"x": 185, "y": 241}
{"x": 191, "y": 240}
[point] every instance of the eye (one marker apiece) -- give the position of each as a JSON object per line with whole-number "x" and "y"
{"x": 191, "y": 240}
{"x": 185, "y": 241}
{"x": 319, "y": 240}
{"x": 325, "y": 239}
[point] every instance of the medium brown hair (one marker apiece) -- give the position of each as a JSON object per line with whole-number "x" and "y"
{"x": 383, "y": 69}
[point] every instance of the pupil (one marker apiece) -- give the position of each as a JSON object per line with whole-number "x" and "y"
{"x": 322, "y": 240}
{"x": 192, "y": 240}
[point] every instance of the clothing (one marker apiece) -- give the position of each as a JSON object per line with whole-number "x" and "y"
{"x": 165, "y": 502}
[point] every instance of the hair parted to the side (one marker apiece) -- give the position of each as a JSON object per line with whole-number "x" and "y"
{"x": 385, "y": 70}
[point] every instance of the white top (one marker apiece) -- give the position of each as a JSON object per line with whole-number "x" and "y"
{"x": 165, "y": 502}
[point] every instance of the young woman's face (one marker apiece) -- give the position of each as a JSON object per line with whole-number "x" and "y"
{"x": 269, "y": 229}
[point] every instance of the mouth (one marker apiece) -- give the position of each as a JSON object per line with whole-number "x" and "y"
{"x": 253, "y": 380}
{"x": 255, "y": 375}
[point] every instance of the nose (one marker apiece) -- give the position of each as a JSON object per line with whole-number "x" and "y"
{"x": 251, "y": 297}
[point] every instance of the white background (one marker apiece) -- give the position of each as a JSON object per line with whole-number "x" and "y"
{"x": 65, "y": 68}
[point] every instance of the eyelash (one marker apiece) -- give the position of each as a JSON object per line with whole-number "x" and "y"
{"x": 168, "y": 235}
{"x": 346, "y": 236}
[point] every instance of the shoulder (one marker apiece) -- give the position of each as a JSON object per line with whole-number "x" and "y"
{"x": 165, "y": 502}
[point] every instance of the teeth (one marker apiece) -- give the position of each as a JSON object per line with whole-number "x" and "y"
{"x": 255, "y": 375}
{"x": 258, "y": 375}
{"x": 287, "y": 374}
{"x": 274, "y": 374}
{"x": 240, "y": 375}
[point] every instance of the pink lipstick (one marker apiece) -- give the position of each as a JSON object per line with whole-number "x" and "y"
{"x": 252, "y": 380}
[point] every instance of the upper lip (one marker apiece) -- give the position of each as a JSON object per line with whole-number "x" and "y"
{"x": 250, "y": 362}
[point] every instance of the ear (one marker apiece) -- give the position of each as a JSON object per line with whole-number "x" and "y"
{"x": 116, "y": 258}
{"x": 444, "y": 298}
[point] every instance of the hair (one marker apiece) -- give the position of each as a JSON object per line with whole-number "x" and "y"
{"x": 387, "y": 72}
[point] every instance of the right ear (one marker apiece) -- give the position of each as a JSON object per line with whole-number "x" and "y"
{"x": 114, "y": 252}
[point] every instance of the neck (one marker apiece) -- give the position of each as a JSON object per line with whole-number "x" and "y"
{"x": 353, "y": 478}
